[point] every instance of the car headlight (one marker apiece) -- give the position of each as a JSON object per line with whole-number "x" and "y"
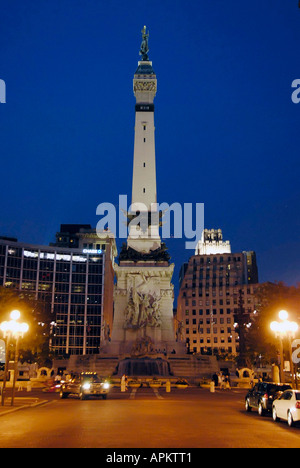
{"x": 106, "y": 386}
{"x": 86, "y": 386}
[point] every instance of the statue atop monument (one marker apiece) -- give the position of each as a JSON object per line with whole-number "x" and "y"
{"x": 144, "y": 46}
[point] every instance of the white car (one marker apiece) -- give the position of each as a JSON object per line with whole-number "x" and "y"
{"x": 287, "y": 407}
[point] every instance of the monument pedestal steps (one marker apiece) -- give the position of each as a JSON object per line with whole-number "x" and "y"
{"x": 189, "y": 367}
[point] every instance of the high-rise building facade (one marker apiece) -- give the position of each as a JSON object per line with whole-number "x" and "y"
{"x": 76, "y": 283}
{"x": 216, "y": 286}
{"x": 68, "y": 236}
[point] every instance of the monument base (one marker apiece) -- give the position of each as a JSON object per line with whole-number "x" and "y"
{"x": 141, "y": 345}
{"x": 193, "y": 368}
{"x": 144, "y": 367}
{"x": 143, "y": 305}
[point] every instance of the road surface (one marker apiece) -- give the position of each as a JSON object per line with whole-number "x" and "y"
{"x": 146, "y": 418}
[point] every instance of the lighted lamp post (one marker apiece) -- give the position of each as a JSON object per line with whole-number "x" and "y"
{"x": 283, "y": 329}
{"x": 16, "y": 330}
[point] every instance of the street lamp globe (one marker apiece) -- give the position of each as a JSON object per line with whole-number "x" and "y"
{"x": 274, "y": 326}
{"x": 15, "y": 315}
{"x": 283, "y": 315}
{"x": 24, "y": 327}
{"x": 294, "y": 327}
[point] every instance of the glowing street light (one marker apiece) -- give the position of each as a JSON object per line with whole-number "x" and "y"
{"x": 282, "y": 329}
{"x": 283, "y": 315}
{"x": 12, "y": 329}
{"x": 15, "y": 315}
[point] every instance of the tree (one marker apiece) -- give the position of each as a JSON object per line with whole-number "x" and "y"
{"x": 35, "y": 344}
{"x": 242, "y": 318}
{"x": 271, "y": 298}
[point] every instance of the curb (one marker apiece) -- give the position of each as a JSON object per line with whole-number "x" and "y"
{"x": 33, "y": 405}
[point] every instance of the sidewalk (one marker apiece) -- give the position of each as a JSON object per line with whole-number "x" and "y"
{"x": 20, "y": 403}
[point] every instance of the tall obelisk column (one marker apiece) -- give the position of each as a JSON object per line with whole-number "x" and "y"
{"x": 144, "y": 234}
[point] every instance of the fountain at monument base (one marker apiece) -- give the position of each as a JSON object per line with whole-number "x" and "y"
{"x": 144, "y": 367}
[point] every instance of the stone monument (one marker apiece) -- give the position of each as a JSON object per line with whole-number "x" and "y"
{"x": 143, "y": 298}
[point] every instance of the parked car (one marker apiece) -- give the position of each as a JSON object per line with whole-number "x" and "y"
{"x": 85, "y": 385}
{"x": 287, "y": 407}
{"x": 262, "y": 396}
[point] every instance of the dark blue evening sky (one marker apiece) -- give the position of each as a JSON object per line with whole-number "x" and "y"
{"x": 227, "y": 131}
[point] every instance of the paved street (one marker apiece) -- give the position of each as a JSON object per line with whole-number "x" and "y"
{"x": 145, "y": 418}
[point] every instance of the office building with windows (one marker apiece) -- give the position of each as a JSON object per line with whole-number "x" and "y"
{"x": 76, "y": 284}
{"x": 215, "y": 286}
